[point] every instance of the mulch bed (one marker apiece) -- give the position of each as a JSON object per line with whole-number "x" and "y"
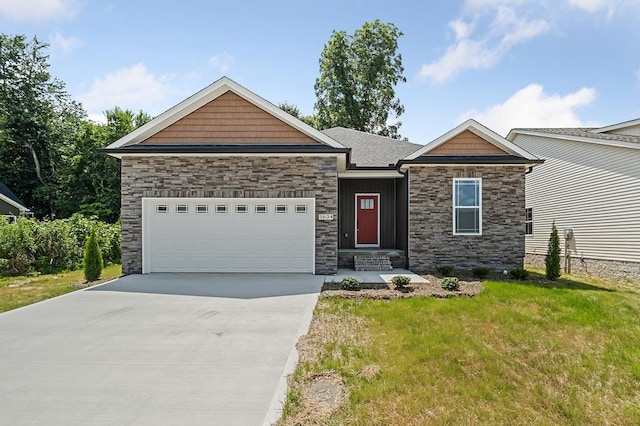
{"x": 388, "y": 291}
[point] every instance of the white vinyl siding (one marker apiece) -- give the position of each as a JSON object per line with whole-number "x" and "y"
{"x": 631, "y": 131}
{"x": 592, "y": 189}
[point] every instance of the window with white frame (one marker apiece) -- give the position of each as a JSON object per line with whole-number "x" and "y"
{"x": 301, "y": 208}
{"x": 366, "y": 204}
{"x": 182, "y": 208}
{"x": 260, "y": 208}
{"x": 162, "y": 208}
{"x": 467, "y": 206}
{"x": 202, "y": 208}
{"x": 281, "y": 208}
{"x": 528, "y": 221}
{"x": 241, "y": 208}
{"x": 221, "y": 208}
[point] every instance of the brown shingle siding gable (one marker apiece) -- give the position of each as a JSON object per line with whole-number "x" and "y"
{"x": 466, "y": 143}
{"x": 229, "y": 119}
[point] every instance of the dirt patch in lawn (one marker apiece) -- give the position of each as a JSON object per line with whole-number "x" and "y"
{"x": 388, "y": 291}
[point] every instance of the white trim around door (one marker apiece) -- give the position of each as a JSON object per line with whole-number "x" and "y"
{"x": 355, "y": 199}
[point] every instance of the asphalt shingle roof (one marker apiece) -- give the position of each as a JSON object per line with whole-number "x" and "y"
{"x": 4, "y": 190}
{"x": 369, "y": 150}
{"x": 585, "y": 132}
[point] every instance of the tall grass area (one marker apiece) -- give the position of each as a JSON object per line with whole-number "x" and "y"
{"x": 518, "y": 353}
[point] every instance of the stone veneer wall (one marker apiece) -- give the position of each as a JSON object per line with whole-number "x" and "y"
{"x": 431, "y": 239}
{"x": 228, "y": 177}
{"x": 609, "y": 269}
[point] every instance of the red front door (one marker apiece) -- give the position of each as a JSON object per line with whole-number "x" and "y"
{"x": 367, "y": 219}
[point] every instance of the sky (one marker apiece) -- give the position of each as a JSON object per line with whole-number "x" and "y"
{"x": 506, "y": 63}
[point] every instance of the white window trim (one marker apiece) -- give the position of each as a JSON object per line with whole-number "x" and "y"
{"x": 257, "y": 209}
{"x": 528, "y": 221}
{"x": 205, "y": 210}
{"x": 180, "y": 206}
{"x": 283, "y": 206}
{"x": 454, "y": 207}
{"x": 242, "y": 208}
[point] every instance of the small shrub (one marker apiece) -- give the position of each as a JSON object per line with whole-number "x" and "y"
{"x": 552, "y": 259}
{"x": 480, "y": 271}
{"x": 519, "y": 273}
{"x": 450, "y": 283}
{"x": 445, "y": 270}
{"x": 92, "y": 258}
{"x": 401, "y": 281}
{"x": 350, "y": 283}
{"x": 17, "y": 244}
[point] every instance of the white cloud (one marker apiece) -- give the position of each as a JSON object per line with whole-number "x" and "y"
{"x": 588, "y": 5}
{"x": 532, "y": 107}
{"x": 129, "y": 88}
{"x": 59, "y": 43}
{"x": 223, "y": 62}
{"x": 461, "y": 28}
{"x": 505, "y": 31}
{"x": 38, "y": 10}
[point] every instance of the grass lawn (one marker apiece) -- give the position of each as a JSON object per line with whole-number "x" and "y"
{"x": 17, "y": 291}
{"x": 518, "y": 353}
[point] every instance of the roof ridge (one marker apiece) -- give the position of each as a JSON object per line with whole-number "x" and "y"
{"x": 371, "y": 134}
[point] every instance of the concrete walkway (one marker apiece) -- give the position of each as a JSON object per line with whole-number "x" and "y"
{"x": 374, "y": 277}
{"x": 158, "y": 349}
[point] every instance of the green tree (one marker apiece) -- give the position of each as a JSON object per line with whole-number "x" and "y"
{"x": 358, "y": 75}
{"x": 91, "y": 179}
{"x": 92, "y": 258}
{"x": 38, "y": 121}
{"x": 292, "y": 109}
{"x": 552, "y": 258}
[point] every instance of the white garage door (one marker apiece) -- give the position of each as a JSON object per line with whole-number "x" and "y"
{"x": 228, "y": 234}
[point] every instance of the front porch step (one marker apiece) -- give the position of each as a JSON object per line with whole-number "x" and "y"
{"x": 372, "y": 263}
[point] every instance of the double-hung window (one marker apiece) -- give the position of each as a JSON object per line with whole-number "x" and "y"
{"x": 528, "y": 221}
{"x": 467, "y": 206}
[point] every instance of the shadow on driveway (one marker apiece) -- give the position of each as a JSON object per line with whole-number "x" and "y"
{"x": 236, "y": 286}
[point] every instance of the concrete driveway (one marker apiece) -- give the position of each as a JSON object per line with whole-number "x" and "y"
{"x": 158, "y": 349}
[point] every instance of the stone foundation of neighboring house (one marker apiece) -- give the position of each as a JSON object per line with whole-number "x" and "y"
{"x": 431, "y": 239}
{"x": 608, "y": 269}
{"x": 233, "y": 176}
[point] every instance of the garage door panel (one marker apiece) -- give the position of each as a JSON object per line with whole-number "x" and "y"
{"x": 211, "y": 241}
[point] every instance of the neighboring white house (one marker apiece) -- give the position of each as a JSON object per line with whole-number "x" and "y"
{"x": 589, "y": 184}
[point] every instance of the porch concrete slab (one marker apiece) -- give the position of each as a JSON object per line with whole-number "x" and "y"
{"x": 374, "y": 277}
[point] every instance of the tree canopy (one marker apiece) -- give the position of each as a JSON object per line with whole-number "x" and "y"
{"x": 38, "y": 121}
{"x": 358, "y": 75}
{"x": 48, "y": 149}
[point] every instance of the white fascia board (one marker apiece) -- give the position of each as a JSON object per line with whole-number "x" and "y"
{"x": 479, "y": 130}
{"x": 617, "y": 126}
{"x": 621, "y": 144}
{"x": 370, "y": 174}
{"x": 13, "y": 203}
{"x": 207, "y": 95}
{"x": 406, "y": 167}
